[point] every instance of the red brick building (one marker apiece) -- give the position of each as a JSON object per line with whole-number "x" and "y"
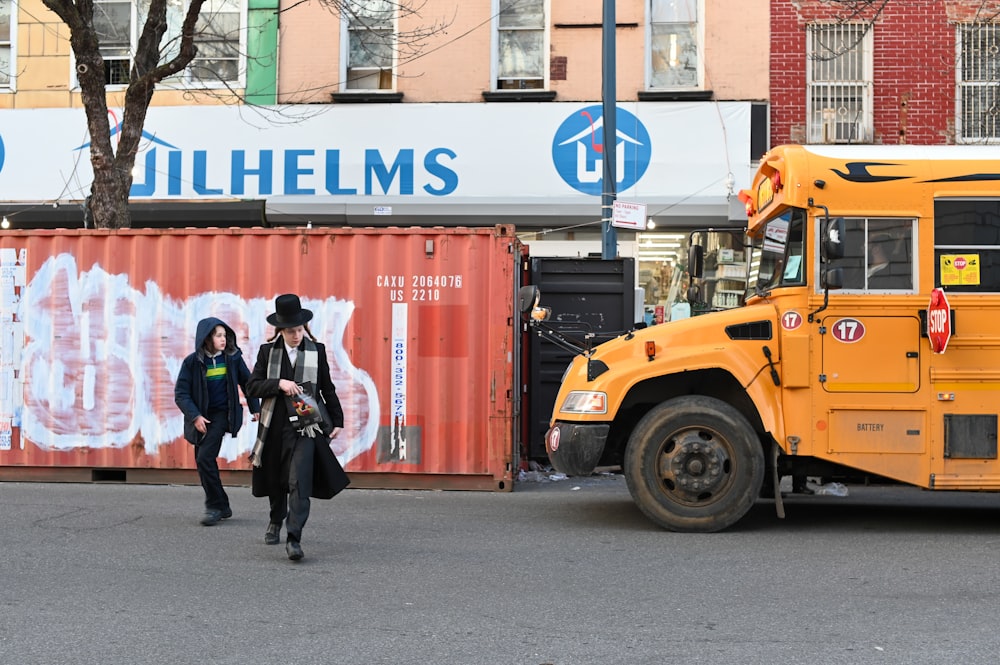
{"x": 885, "y": 71}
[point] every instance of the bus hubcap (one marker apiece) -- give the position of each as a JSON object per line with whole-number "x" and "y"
{"x": 695, "y": 464}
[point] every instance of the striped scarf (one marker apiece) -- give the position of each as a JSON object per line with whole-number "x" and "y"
{"x": 306, "y": 369}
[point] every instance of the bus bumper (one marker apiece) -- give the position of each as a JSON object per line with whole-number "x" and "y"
{"x": 575, "y": 449}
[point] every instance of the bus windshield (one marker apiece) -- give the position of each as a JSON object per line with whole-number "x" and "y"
{"x": 782, "y": 251}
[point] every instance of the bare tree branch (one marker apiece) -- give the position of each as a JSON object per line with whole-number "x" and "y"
{"x": 160, "y": 55}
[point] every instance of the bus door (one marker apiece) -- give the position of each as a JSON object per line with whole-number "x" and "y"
{"x": 870, "y": 354}
{"x": 870, "y": 335}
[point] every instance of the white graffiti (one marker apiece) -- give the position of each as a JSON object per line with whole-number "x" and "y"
{"x": 100, "y": 360}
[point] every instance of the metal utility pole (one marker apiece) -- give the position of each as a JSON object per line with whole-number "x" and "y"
{"x": 609, "y": 246}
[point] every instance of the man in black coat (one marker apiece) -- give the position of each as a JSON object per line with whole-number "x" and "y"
{"x": 291, "y": 463}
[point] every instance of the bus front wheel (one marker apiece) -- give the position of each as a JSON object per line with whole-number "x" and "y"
{"x": 694, "y": 464}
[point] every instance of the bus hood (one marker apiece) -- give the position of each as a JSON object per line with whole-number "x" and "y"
{"x": 721, "y": 326}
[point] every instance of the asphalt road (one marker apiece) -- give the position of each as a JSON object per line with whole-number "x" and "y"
{"x": 564, "y": 572}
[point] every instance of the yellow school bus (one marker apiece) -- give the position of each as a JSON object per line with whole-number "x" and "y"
{"x": 832, "y": 366}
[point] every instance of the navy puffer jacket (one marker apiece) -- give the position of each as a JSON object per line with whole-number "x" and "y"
{"x": 191, "y": 388}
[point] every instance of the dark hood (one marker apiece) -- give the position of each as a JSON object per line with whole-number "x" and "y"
{"x": 205, "y": 328}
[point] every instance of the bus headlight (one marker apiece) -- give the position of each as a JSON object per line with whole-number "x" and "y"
{"x": 585, "y": 401}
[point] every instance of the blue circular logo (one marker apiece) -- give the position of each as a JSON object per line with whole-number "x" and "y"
{"x": 3, "y": 153}
{"x": 578, "y": 150}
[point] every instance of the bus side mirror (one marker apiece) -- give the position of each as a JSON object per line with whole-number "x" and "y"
{"x": 833, "y": 239}
{"x": 832, "y": 278}
{"x": 696, "y": 261}
{"x": 529, "y": 297}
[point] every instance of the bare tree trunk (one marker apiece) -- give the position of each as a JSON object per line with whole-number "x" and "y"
{"x": 107, "y": 204}
{"x": 109, "y": 193}
{"x": 108, "y": 201}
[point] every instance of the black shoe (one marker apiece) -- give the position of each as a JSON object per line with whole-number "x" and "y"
{"x": 211, "y": 517}
{"x": 226, "y": 513}
{"x": 273, "y": 534}
{"x": 294, "y": 550}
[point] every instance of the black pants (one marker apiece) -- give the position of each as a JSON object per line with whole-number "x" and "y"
{"x": 206, "y": 456}
{"x": 297, "y": 457}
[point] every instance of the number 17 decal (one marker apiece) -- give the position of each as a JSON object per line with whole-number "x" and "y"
{"x": 848, "y": 330}
{"x": 791, "y": 320}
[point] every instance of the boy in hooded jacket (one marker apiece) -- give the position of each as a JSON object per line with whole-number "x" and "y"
{"x": 206, "y": 392}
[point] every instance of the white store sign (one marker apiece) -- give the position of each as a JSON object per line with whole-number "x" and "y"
{"x": 666, "y": 152}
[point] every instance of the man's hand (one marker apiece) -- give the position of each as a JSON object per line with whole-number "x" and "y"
{"x": 201, "y": 424}
{"x": 289, "y": 387}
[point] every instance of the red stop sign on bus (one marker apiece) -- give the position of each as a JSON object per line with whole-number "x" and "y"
{"x": 938, "y": 321}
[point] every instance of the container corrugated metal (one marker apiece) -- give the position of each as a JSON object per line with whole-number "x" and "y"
{"x": 592, "y": 296}
{"x": 419, "y": 325}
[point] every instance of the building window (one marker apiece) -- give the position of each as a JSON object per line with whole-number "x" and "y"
{"x": 8, "y": 11}
{"x": 218, "y": 38}
{"x": 978, "y": 74}
{"x": 218, "y": 34}
{"x": 113, "y": 25}
{"x": 673, "y": 44}
{"x": 521, "y": 52}
{"x": 839, "y": 78}
{"x": 371, "y": 44}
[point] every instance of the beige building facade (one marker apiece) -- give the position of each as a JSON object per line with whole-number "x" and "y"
{"x": 460, "y": 58}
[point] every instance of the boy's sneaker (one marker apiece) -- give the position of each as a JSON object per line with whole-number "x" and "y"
{"x": 211, "y": 517}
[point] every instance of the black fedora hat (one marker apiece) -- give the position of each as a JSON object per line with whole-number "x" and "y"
{"x": 288, "y": 312}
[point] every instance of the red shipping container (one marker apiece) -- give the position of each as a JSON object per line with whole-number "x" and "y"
{"x": 419, "y": 325}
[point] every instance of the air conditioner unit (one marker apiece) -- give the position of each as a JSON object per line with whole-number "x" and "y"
{"x": 834, "y": 131}
{"x": 829, "y": 126}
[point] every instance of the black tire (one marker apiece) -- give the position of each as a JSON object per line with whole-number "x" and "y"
{"x": 694, "y": 464}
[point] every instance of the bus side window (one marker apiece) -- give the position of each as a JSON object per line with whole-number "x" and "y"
{"x": 889, "y": 264}
{"x": 967, "y": 228}
{"x": 853, "y": 263}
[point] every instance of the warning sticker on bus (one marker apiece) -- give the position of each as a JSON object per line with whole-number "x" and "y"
{"x": 959, "y": 269}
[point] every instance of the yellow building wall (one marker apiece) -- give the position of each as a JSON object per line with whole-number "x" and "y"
{"x": 43, "y": 68}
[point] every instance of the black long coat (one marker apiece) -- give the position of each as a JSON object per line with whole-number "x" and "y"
{"x": 271, "y": 477}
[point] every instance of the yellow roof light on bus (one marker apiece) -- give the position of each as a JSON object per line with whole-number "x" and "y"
{"x": 766, "y": 191}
